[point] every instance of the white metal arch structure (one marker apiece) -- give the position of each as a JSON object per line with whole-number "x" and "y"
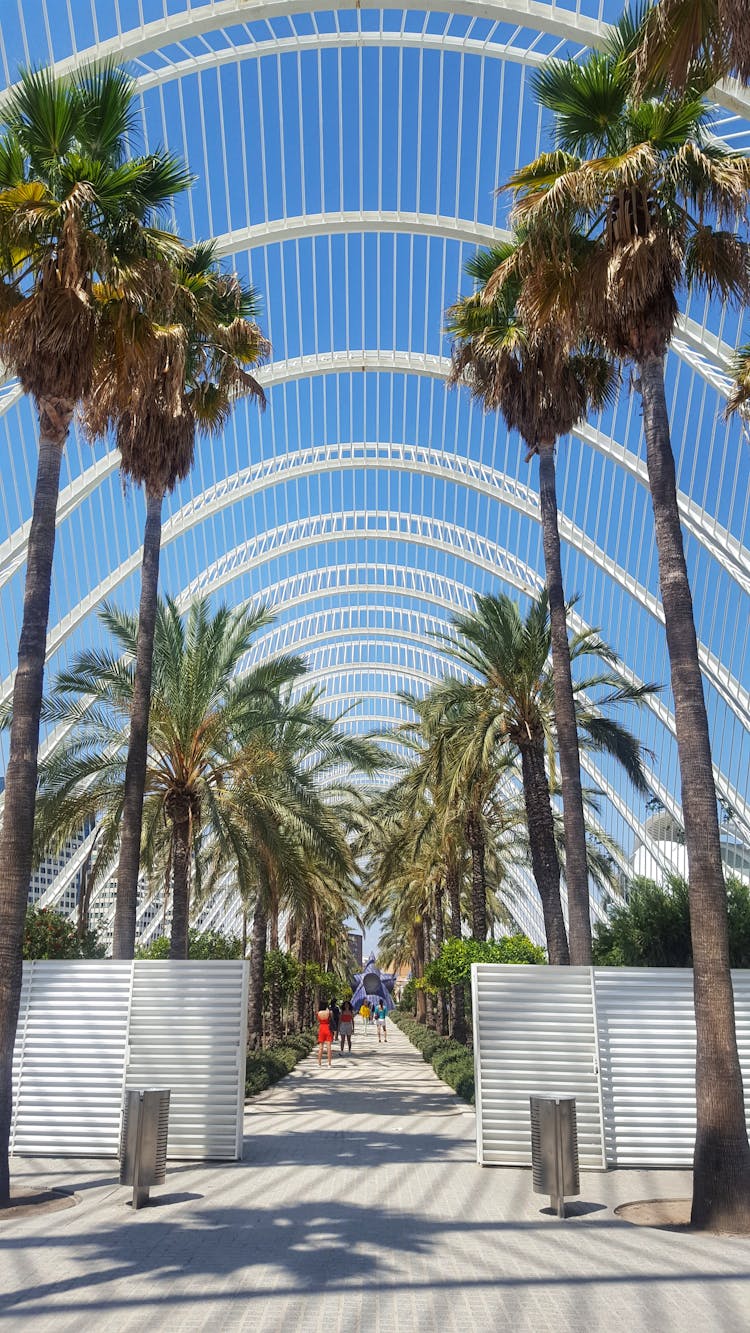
{"x": 200, "y": 19}
{"x": 346, "y": 163}
{"x": 375, "y": 456}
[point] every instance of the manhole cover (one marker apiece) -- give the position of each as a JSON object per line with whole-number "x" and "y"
{"x": 25, "y": 1201}
{"x": 656, "y": 1212}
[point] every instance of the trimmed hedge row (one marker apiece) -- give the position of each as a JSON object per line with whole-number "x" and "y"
{"x": 262, "y": 1068}
{"x": 452, "y": 1062}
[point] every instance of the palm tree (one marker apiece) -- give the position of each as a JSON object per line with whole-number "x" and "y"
{"x": 680, "y": 33}
{"x": 543, "y": 389}
{"x": 72, "y": 206}
{"x": 512, "y": 703}
{"x": 471, "y": 805}
{"x": 192, "y": 342}
{"x": 295, "y": 811}
{"x": 739, "y": 396}
{"x": 642, "y": 178}
{"x": 205, "y": 747}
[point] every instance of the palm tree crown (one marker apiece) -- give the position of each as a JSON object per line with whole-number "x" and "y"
{"x": 72, "y": 206}
{"x": 633, "y": 188}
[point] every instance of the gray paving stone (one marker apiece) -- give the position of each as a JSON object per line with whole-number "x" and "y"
{"x": 359, "y": 1209}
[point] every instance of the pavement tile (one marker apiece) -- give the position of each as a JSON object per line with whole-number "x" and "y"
{"x": 359, "y": 1208}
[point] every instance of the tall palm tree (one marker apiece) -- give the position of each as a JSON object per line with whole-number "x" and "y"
{"x": 643, "y": 179}
{"x": 191, "y": 344}
{"x": 73, "y": 206}
{"x": 543, "y": 389}
{"x": 512, "y": 703}
{"x": 203, "y": 750}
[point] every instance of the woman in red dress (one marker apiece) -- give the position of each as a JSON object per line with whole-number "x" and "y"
{"x": 325, "y": 1033}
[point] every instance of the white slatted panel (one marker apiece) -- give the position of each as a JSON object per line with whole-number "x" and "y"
{"x": 647, "y": 1057}
{"x": 534, "y": 1032}
{"x": 70, "y": 1058}
{"x": 187, "y": 1033}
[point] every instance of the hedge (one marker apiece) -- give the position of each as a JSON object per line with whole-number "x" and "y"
{"x": 262, "y": 1068}
{"x": 452, "y": 1062}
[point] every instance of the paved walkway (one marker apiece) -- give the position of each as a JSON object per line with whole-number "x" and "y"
{"x": 359, "y": 1209}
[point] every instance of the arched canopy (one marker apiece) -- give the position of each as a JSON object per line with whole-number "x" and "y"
{"x": 346, "y": 162}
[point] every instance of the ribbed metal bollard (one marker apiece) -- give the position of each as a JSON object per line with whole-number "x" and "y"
{"x": 143, "y": 1142}
{"x": 554, "y": 1149}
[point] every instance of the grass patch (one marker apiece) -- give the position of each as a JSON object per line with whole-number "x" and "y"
{"x": 452, "y": 1062}
{"x": 263, "y": 1068}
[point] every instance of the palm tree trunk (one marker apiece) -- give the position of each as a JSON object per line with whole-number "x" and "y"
{"x": 442, "y": 1024}
{"x": 418, "y": 940}
{"x": 458, "y": 999}
{"x": 475, "y": 839}
{"x": 721, "y": 1180}
{"x": 275, "y": 987}
{"x": 544, "y": 860}
{"x": 126, "y": 905}
{"x": 576, "y": 863}
{"x": 257, "y": 959}
{"x": 178, "y": 944}
{"x": 21, "y": 776}
{"x": 430, "y": 999}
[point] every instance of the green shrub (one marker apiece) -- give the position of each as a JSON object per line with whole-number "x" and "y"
{"x": 203, "y": 946}
{"x": 652, "y": 929}
{"x": 263, "y": 1068}
{"x": 49, "y": 934}
{"x": 452, "y": 1062}
{"x": 452, "y": 967}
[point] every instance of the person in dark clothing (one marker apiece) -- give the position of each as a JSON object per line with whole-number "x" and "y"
{"x": 335, "y": 1016}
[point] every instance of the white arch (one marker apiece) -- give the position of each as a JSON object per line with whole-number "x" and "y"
{"x": 175, "y": 28}
{"x": 416, "y": 458}
{"x": 716, "y": 540}
{"x": 419, "y": 530}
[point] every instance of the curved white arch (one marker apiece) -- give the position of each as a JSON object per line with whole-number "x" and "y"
{"x": 413, "y": 458}
{"x": 421, "y": 531}
{"x": 301, "y": 532}
{"x": 718, "y": 541}
{"x": 175, "y": 28}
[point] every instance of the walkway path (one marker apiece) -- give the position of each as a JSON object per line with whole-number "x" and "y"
{"x": 359, "y": 1209}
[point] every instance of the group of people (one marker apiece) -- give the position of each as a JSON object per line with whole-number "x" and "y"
{"x": 337, "y": 1024}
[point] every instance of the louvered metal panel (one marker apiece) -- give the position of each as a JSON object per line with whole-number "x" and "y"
{"x": 187, "y": 1033}
{"x": 70, "y": 1058}
{"x": 88, "y": 1029}
{"x": 534, "y": 1032}
{"x": 646, "y": 1030}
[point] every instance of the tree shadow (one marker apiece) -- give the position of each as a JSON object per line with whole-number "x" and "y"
{"x": 320, "y": 1246}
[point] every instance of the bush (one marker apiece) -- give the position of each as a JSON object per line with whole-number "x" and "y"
{"x": 49, "y": 934}
{"x": 203, "y": 946}
{"x": 408, "y": 1001}
{"x": 452, "y": 1062}
{"x": 653, "y": 928}
{"x": 452, "y": 967}
{"x": 263, "y": 1068}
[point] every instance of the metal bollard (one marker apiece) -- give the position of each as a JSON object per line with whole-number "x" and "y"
{"x": 143, "y": 1142}
{"x": 554, "y": 1149}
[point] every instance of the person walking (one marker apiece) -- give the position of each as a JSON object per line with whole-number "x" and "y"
{"x": 325, "y": 1035}
{"x": 335, "y": 1015}
{"x": 346, "y": 1025}
{"x": 381, "y": 1013}
{"x": 364, "y": 1010}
